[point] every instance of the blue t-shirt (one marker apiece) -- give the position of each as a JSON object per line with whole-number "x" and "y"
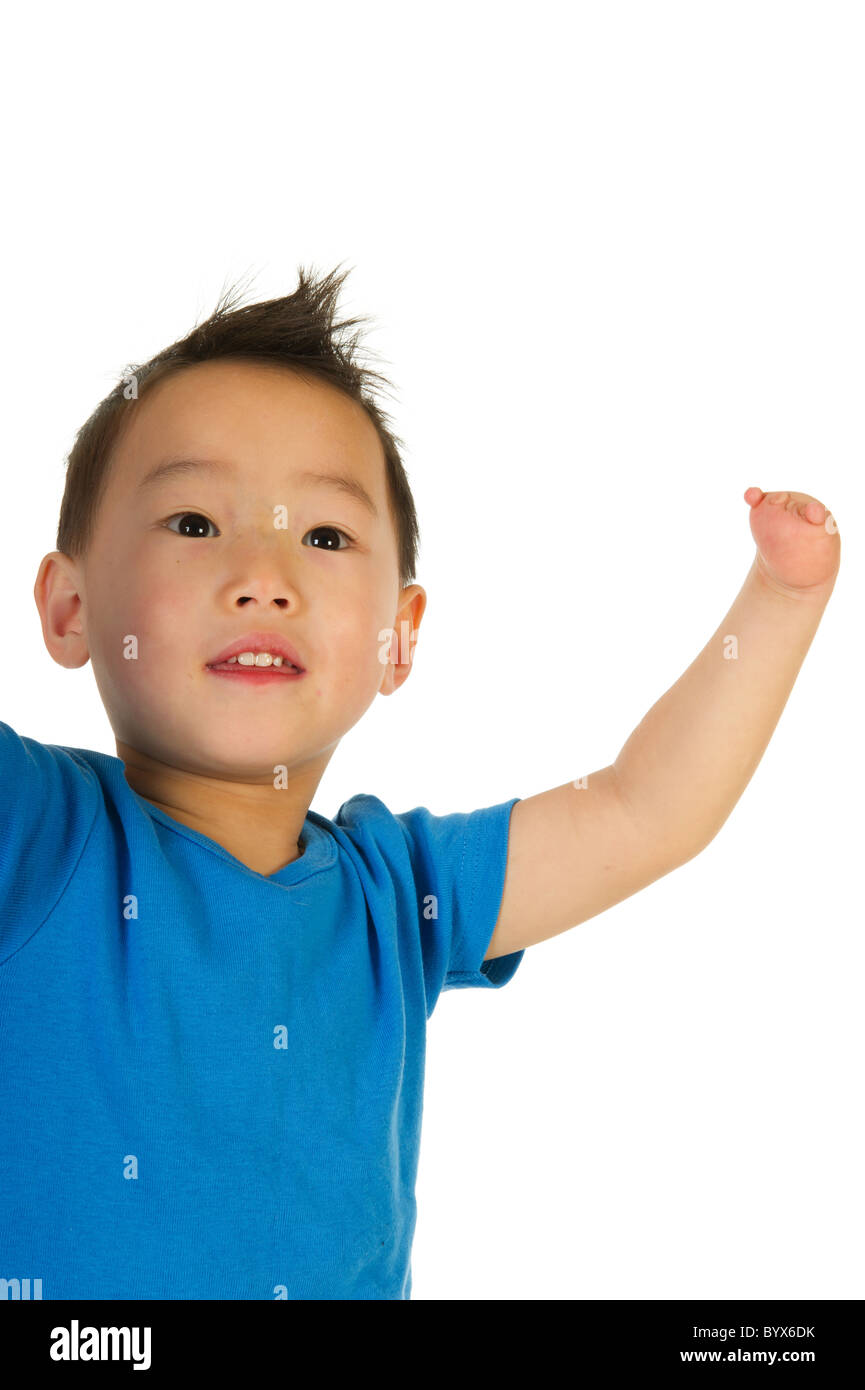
{"x": 211, "y": 1081}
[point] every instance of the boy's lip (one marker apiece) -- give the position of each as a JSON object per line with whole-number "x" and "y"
{"x": 260, "y": 642}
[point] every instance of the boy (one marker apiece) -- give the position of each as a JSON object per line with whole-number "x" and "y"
{"x": 240, "y": 986}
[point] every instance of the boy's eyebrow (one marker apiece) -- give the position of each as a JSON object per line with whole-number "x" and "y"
{"x": 344, "y": 482}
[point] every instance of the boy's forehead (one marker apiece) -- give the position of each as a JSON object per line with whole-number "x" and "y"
{"x": 233, "y": 409}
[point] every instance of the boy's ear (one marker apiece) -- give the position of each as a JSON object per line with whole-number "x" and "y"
{"x": 403, "y": 637}
{"x": 58, "y": 598}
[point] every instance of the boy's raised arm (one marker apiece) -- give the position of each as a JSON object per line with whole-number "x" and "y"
{"x": 584, "y": 846}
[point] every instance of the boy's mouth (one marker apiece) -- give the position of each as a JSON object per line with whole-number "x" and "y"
{"x": 258, "y": 654}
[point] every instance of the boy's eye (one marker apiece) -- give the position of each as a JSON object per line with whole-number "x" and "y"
{"x": 197, "y": 519}
{"x": 332, "y": 531}
{"x": 194, "y": 524}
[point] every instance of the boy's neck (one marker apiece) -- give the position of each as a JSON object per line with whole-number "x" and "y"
{"x": 256, "y": 823}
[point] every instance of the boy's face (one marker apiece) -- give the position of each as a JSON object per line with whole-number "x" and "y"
{"x": 185, "y": 590}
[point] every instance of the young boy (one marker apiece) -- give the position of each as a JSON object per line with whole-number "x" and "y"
{"x": 213, "y": 1001}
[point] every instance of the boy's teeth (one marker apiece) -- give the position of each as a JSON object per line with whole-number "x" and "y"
{"x": 257, "y": 659}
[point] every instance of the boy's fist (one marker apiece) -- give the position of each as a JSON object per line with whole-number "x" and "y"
{"x": 798, "y": 547}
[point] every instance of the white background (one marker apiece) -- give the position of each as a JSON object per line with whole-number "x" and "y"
{"x": 613, "y": 255}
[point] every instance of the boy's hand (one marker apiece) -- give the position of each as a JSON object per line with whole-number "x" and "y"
{"x": 798, "y": 548}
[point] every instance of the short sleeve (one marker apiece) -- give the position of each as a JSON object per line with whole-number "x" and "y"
{"x": 459, "y": 863}
{"x": 48, "y": 804}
